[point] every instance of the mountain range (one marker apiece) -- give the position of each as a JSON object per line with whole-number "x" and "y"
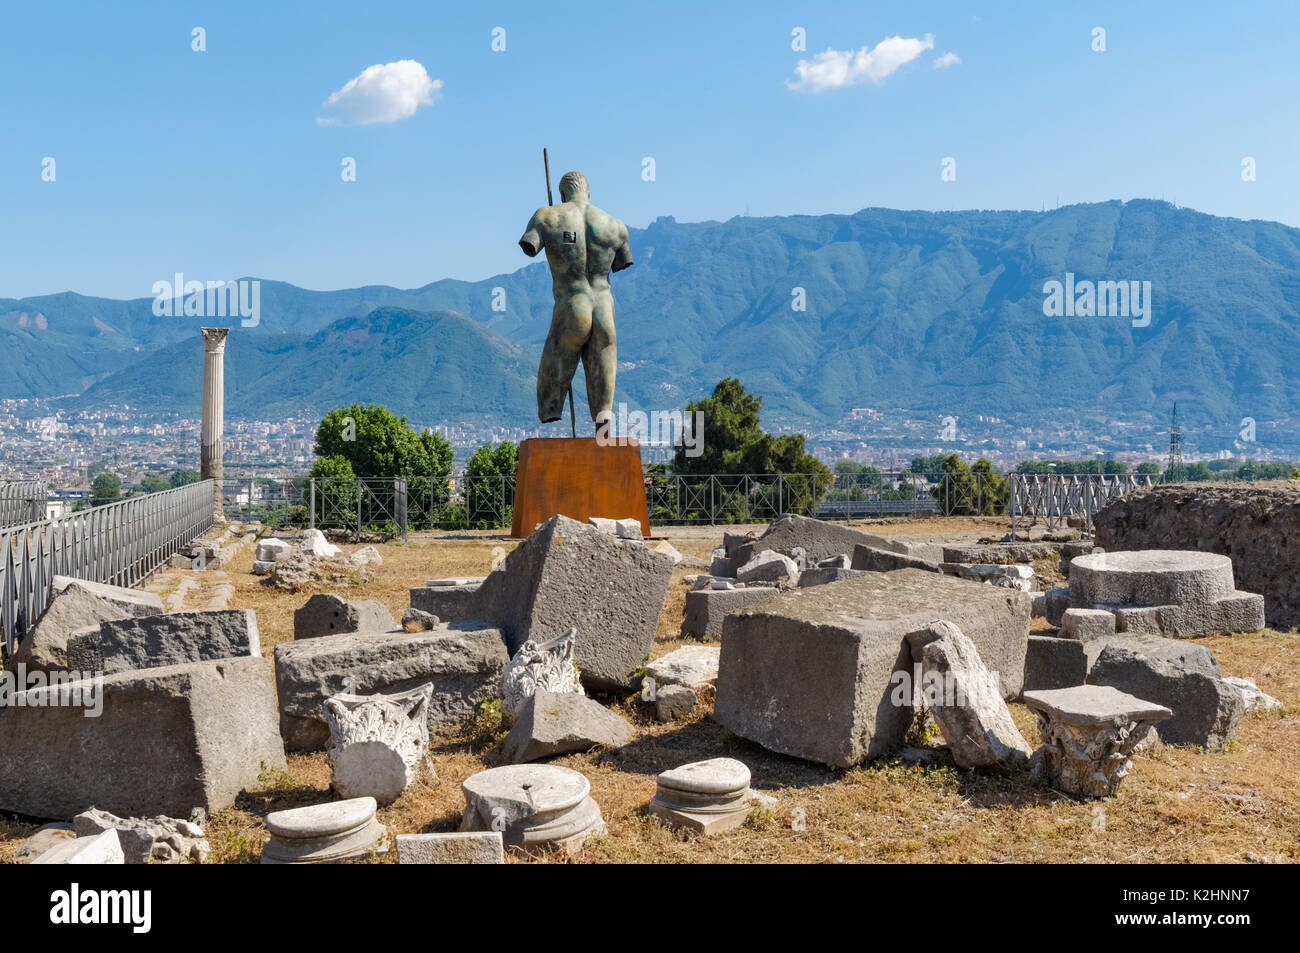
{"x": 904, "y": 311}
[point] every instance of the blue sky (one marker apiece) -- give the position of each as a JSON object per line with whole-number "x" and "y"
{"x": 214, "y": 163}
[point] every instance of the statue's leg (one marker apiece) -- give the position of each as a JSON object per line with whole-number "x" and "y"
{"x": 600, "y": 359}
{"x": 570, "y": 327}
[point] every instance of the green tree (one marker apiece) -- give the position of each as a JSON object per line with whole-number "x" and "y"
{"x": 106, "y": 489}
{"x": 1148, "y": 469}
{"x": 734, "y": 443}
{"x": 979, "y": 490}
{"x": 183, "y": 477}
{"x": 154, "y": 484}
{"x": 489, "y": 485}
{"x": 336, "y": 491}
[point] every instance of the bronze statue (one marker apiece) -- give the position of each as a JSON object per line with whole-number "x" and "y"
{"x": 583, "y": 245}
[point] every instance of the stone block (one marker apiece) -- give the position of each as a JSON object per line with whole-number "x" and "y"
{"x": 694, "y": 666}
{"x": 1085, "y": 624}
{"x": 131, "y": 601}
{"x": 156, "y": 640}
{"x": 167, "y": 740}
{"x": 872, "y": 559}
{"x": 328, "y": 614}
{"x": 706, "y": 608}
{"x": 673, "y": 703}
{"x": 552, "y": 723}
{"x": 463, "y": 660}
{"x": 482, "y": 847}
{"x": 571, "y": 575}
{"x": 812, "y": 673}
{"x": 272, "y": 550}
{"x": 822, "y": 575}
{"x": 45, "y": 648}
{"x": 1053, "y": 662}
{"x": 1056, "y": 601}
{"x": 1242, "y": 612}
{"x": 818, "y": 539}
{"x": 768, "y": 566}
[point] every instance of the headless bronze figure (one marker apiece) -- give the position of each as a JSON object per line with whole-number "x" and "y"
{"x": 583, "y": 245}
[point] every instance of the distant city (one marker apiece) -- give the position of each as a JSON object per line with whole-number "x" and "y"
{"x": 41, "y": 441}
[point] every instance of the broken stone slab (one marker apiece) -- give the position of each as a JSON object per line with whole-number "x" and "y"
{"x": 378, "y": 742}
{"x": 673, "y": 702}
{"x": 74, "y": 607}
{"x": 1001, "y": 553}
{"x": 709, "y": 797}
{"x": 463, "y": 661}
{"x": 143, "y": 642}
{"x": 811, "y": 673}
{"x": 971, "y": 714}
{"x": 1242, "y": 612}
{"x": 1255, "y": 699}
{"x": 132, "y": 601}
{"x": 1149, "y": 577}
{"x": 273, "y": 550}
{"x": 823, "y": 575}
{"x": 314, "y": 545}
{"x": 533, "y": 806}
{"x": 545, "y": 666}
{"x": 481, "y": 847}
{"x": 325, "y": 833}
{"x": 667, "y": 549}
{"x": 707, "y": 608}
{"x": 768, "y": 566}
{"x": 552, "y": 723}
{"x": 45, "y": 838}
{"x": 328, "y": 614}
{"x": 1055, "y": 603}
{"x": 1052, "y": 662}
{"x": 733, "y": 541}
{"x": 819, "y": 540}
{"x": 629, "y": 528}
{"x": 721, "y": 565}
{"x": 571, "y": 575}
{"x": 166, "y": 739}
{"x": 1005, "y": 575}
{"x": 1089, "y": 733}
{"x": 103, "y": 848}
{"x": 1181, "y": 676}
{"x": 694, "y": 666}
{"x": 366, "y": 556}
{"x": 158, "y": 840}
{"x": 1086, "y": 624}
{"x": 838, "y": 561}
{"x": 872, "y": 559}
{"x": 447, "y": 601}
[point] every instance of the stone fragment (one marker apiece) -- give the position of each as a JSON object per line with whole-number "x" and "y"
{"x": 1242, "y": 612}
{"x": 667, "y": 549}
{"x": 622, "y": 529}
{"x": 417, "y": 620}
{"x": 263, "y": 567}
{"x": 822, "y": 575}
{"x": 709, "y": 797}
{"x": 1086, "y": 624}
{"x": 366, "y": 556}
{"x": 463, "y": 661}
{"x": 694, "y": 666}
{"x": 871, "y": 559}
{"x": 273, "y": 550}
{"x": 315, "y": 546}
{"x": 820, "y": 539}
{"x": 722, "y": 584}
{"x": 152, "y": 641}
{"x": 328, "y": 614}
{"x": 166, "y": 739}
{"x": 325, "y": 833}
{"x": 1089, "y": 733}
{"x": 1254, "y": 699}
{"x": 131, "y": 601}
{"x": 838, "y": 561}
{"x": 160, "y": 840}
{"x": 45, "y": 838}
{"x": 483, "y": 847}
{"x": 1182, "y": 676}
{"x": 103, "y": 848}
{"x": 533, "y": 806}
{"x": 456, "y": 581}
{"x": 721, "y": 565}
{"x": 448, "y": 599}
{"x": 45, "y": 647}
{"x": 546, "y": 666}
{"x": 768, "y": 566}
{"x": 1052, "y": 662}
{"x": 552, "y": 723}
{"x": 1055, "y": 604}
{"x": 705, "y": 609}
{"x": 673, "y": 703}
{"x": 971, "y": 714}
{"x": 1007, "y": 576}
{"x": 571, "y": 575}
{"x": 811, "y": 673}
{"x": 378, "y": 742}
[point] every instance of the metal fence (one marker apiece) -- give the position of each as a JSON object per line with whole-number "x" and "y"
{"x": 1055, "y": 497}
{"x": 21, "y": 502}
{"x": 118, "y": 543}
{"x": 393, "y": 506}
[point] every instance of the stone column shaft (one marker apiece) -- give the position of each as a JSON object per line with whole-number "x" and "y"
{"x": 214, "y": 412}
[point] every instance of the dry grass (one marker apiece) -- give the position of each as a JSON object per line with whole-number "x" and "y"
{"x": 1178, "y": 805}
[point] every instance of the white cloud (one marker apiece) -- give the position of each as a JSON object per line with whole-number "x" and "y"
{"x": 381, "y": 94}
{"x": 835, "y": 68}
{"x": 948, "y": 59}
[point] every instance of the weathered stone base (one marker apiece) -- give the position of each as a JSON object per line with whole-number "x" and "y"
{"x": 706, "y": 608}
{"x": 483, "y": 847}
{"x": 1242, "y": 612}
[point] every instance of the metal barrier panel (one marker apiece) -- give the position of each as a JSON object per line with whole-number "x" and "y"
{"x": 22, "y": 502}
{"x": 1054, "y": 497}
{"x": 118, "y": 543}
